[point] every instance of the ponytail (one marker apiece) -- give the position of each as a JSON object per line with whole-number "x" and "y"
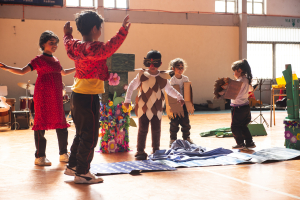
{"x": 245, "y": 67}
{"x": 247, "y": 70}
{"x": 171, "y": 73}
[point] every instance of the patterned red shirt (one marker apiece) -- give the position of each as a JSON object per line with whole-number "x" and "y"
{"x": 48, "y": 98}
{"x": 90, "y": 57}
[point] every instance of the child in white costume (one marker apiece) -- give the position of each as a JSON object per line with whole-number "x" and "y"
{"x": 178, "y": 66}
{"x": 149, "y": 101}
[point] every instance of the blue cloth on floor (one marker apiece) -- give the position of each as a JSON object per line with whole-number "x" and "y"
{"x": 128, "y": 167}
{"x": 182, "y": 150}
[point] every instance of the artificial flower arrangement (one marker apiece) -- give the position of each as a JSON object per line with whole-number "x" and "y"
{"x": 292, "y": 138}
{"x": 114, "y": 124}
{"x": 292, "y": 121}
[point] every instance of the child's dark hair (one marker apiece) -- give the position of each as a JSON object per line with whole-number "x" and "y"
{"x": 174, "y": 63}
{"x": 244, "y": 66}
{"x": 155, "y": 55}
{"x": 86, "y": 20}
{"x": 47, "y": 35}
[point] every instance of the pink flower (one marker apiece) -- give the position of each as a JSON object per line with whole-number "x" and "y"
{"x": 120, "y": 139}
{"x": 112, "y": 146}
{"x": 293, "y": 139}
{"x": 114, "y": 79}
{"x": 288, "y": 134}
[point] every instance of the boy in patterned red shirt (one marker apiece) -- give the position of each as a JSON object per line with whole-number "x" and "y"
{"x": 90, "y": 57}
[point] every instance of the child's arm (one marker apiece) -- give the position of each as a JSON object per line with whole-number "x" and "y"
{"x": 65, "y": 72}
{"x": 133, "y": 85}
{"x": 174, "y": 93}
{"x": 96, "y": 50}
{"x": 16, "y": 70}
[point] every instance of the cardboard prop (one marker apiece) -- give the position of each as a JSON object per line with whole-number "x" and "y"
{"x": 173, "y": 108}
{"x": 226, "y": 88}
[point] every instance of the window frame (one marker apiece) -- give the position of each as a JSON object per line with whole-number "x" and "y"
{"x": 115, "y": 3}
{"x": 252, "y": 3}
{"x": 273, "y": 53}
{"x": 79, "y": 4}
{"x": 235, "y": 7}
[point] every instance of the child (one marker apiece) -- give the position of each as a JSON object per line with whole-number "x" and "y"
{"x": 179, "y": 66}
{"x": 149, "y": 101}
{"x": 240, "y": 111}
{"x": 48, "y": 99}
{"x": 90, "y": 57}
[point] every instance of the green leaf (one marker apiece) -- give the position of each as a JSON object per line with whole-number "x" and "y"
{"x": 132, "y": 123}
{"x": 105, "y": 137}
{"x": 115, "y": 94}
{"x": 118, "y": 100}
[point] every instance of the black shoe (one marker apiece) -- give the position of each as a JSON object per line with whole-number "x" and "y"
{"x": 251, "y": 145}
{"x": 141, "y": 156}
{"x": 239, "y": 146}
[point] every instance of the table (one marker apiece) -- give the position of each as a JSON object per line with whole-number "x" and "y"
{"x": 273, "y": 102}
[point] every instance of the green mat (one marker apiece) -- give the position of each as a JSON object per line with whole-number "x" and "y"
{"x": 255, "y": 130}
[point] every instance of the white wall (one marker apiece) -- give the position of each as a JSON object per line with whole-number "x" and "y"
{"x": 208, "y": 50}
{"x": 174, "y": 5}
{"x": 283, "y": 7}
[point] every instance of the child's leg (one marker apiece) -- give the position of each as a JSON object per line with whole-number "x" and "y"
{"x": 85, "y": 113}
{"x": 142, "y": 134}
{"x": 62, "y": 137}
{"x": 246, "y": 133}
{"x": 155, "y": 130}
{"x": 185, "y": 124}
{"x": 174, "y": 128}
{"x": 40, "y": 143}
{"x": 237, "y": 123}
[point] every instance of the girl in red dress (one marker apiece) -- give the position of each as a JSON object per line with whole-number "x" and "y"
{"x": 48, "y": 99}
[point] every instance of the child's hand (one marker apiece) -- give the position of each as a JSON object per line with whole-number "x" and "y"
{"x": 126, "y": 105}
{"x": 68, "y": 28}
{"x": 126, "y": 24}
{"x": 181, "y": 102}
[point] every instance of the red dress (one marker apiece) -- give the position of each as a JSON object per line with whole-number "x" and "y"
{"x": 48, "y": 99}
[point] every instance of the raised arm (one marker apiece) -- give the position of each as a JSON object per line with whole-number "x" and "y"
{"x": 65, "y": 72}
{"x": 95, "y": 50}
{"x": 16, "y": 70}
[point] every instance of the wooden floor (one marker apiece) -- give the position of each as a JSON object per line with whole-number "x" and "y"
{"x": 21, "y": 179}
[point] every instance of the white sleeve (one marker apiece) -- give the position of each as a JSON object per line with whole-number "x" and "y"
{"x": 172, "y": 81}
{"x": 173, "y": 92}
{"x": 133, "y": 85}
{"x": 187, "y": 79}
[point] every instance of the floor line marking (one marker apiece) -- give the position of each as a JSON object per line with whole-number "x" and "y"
{"x": 253, "y": 184}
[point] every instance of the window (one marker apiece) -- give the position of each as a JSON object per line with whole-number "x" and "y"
{"x": 255, "y": 6}
{"x": 226, "y": 6}
{"x": 123, "y": 4}
{"x": 270, "y": 49}
{"x": 82, "y": 3}
{"x": 259, "y": 57}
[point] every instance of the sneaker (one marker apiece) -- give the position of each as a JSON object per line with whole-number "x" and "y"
{"x": 70, "y": 171}
{"x": 87, "y": 178}
{"x": 171, "y": 142}
{"x": 190, "y": 140}
{"x": 251, "y": 145}
{"x": 42, "y": 161}
{"x": 64, "y": 158}
{"x": 141, "y": 156}
{"x": 239, "y": 146}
